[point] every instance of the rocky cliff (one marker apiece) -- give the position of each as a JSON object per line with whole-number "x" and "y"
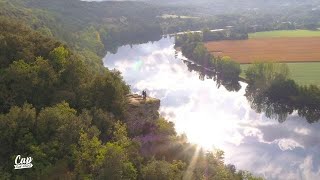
{"x": 140, "y": 112}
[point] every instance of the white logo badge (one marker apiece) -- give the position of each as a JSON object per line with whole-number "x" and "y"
{"x": 23, "y": 163}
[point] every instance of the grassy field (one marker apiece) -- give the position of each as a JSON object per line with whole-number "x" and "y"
{"x": 302, "y": 73}
{"x": 299, "y": 46}
{"x": 285, "y": 33}
{"x": 283, "y": 49}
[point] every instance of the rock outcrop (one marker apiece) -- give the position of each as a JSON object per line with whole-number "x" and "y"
{"x": 140, "y": 112}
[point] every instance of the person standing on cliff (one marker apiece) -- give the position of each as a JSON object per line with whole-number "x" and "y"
{"x": 144, "y": 94}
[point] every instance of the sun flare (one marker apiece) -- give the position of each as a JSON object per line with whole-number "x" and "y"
{"x": 206, "y": 131}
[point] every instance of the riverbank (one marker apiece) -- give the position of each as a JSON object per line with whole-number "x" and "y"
{"x": 241, "y": 76}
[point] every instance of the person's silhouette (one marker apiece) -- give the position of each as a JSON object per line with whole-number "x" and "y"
{"x": 144, "y": 94}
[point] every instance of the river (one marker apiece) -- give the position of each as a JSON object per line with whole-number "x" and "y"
{"x": 216, "y": 118}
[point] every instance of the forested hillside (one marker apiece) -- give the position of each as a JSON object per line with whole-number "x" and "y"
{"x": 69, "y": 119}
{"x": 106, "y": 25}
{"x": 88, "y": 25}
{"x": 101, "y": 26}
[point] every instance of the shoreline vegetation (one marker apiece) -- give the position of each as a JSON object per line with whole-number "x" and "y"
{"x": 223, "y": 70}
{"x": 270, "y": 89}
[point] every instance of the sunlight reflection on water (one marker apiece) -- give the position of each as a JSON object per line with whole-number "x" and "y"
{"x": 214, "y": 117}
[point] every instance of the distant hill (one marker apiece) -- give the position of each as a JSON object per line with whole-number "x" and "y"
{"x": 88, "y": 25}
{"x": 232, "y": 6}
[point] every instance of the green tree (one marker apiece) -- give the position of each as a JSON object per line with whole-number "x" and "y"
{"x": 120, "y": 136}
{"x": 17, "y": 84}
{"x": 34, "y": 83}
{"x": 19, "y": 42}
{"x": 229, "y": 69}
{"x": 109, "y": 92}
{"x": 90, "y": 39}
{"x": 163, "y": 170}
{"x": 88, "y": 156}
{"x": 58, "y": 129}
{"x": 116, "y": 164}
{"x": 104, "y": 121}
{"x": 262, "y": 74}
{"x": 58, "y": 57}
{"x": 16, "y": 134}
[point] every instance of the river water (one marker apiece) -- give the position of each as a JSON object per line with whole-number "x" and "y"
{"x": 216, "y": 118}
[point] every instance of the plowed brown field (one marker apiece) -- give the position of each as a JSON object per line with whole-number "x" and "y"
{"x": 304, "y": 49}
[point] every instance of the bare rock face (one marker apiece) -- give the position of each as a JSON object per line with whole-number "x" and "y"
{"x": 140, "y": 112}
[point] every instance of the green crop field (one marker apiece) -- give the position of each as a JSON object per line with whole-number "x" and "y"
{"x": 285, "y": 33}
{"x": 303, "y": 73}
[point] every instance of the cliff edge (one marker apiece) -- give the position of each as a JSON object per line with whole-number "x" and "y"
{"x": 140, "y": 112}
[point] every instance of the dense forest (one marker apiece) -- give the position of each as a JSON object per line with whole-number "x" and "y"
{"x": 68, "y": 116}
{"x": 98, "y": 27}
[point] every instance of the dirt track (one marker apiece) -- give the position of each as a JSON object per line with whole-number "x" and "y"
{"x": 269, "y": 49}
